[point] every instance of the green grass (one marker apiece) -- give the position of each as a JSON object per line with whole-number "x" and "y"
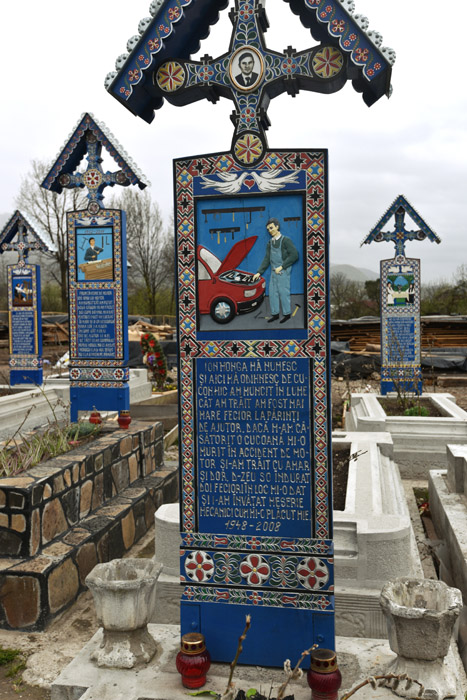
{"x": 8, "y": 655}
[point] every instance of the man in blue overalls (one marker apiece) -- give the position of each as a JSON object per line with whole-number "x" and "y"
{"x": 280, "y": 255}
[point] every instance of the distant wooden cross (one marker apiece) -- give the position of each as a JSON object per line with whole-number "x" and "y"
{"x": 21, "y": 246}
{"x": 18, "y": 235}
{"x": 400, "y": 235}
{"x": 94, "y": 179}
{"x": 251, "y": 75}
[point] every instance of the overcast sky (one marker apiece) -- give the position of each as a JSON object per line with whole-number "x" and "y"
{"x": 55, "y": 56}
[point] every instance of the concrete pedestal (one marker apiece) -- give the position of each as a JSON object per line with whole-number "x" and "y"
{"x": 159, "y": 680}
{"x": 419, "y": 442}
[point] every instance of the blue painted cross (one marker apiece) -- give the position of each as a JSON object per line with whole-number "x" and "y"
{"x": 400, "y": 235}
{"x": 251, "y": 75}
{"x": 22, "y": 245}
{"x": 94, "y": 179}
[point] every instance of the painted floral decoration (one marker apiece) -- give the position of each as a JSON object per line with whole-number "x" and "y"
{"x": 199, "y": 566}
{"x": 255, "y": 569}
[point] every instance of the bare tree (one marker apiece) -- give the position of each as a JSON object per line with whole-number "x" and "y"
{"x": 149, "y": 243}
{"x": 346, "y": 295}
{"x": 48, "y": 210}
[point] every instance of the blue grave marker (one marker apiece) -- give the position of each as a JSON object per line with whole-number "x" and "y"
{"x": 24, "y": 301}
{"x": 400, "y": 300}
{"x": 256, "y": 508}
{"x": 97, "y": 271}
{"x": 252, "y": 265}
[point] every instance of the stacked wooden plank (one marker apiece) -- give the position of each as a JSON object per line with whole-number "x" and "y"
{"x": 161, "y": 332}
{"x": 55, "y": 333}
{"x": 437, "y": 332}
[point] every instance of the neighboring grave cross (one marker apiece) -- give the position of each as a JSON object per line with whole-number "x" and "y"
{"x": 93, "y": 178}
{"x": 21, "y": 246}
{"x": 18, "y": 235}
{"x": 24, "y": 300}
{"x": 400, "y": 300}
{"x": 97, "y": 286}
{"x": 400, "y": 235}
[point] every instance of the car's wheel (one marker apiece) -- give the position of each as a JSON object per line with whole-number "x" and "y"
{"x": 222, "y": 310}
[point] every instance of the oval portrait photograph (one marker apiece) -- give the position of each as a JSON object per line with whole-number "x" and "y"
{"x": 246, "y": 68}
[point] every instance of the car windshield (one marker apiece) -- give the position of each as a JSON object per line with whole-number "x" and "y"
{"x": 210, "y": 259}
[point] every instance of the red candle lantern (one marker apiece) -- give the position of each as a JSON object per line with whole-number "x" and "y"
{"x": 95, "y": 418}
{"x": 193, "y": 660}
{"x": 124, "y": 419}
{"x": 324, "y": 677}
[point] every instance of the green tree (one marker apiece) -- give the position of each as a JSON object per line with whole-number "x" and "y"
{"x": 373, "y": 292}
{"x": 150, "y": 246}
{"x": 347, "y": 297}
{"x": 446, "y": 298}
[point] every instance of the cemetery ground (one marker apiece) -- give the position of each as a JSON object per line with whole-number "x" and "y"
{"x": 37, "y": 658}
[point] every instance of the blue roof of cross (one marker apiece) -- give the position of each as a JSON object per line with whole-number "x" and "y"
{"x": 87, "y": 140}
{"x": 175, "y": 30}
{"x": 400, "y": 235}
{"x": 27, "y": 237}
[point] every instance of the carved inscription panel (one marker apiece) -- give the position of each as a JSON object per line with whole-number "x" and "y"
{"x": 253, "y": 446}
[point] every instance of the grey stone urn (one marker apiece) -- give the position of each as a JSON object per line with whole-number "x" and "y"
{"x": 420, "y": 616}
{"x": 124, "y": 592}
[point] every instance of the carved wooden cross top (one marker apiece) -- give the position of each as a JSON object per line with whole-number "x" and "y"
{"x": 159, "y": 65}
{"x": 251, "y": 75}
{"x": 18, "y": 235}
{"x": 21, "y": 246}
{"x": 94, "y": 179}
{"x": 400, "y": 235}
{"x": 87, "y": 140}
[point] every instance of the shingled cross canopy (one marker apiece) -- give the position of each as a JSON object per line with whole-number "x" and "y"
{"x": 400, "y": 235}
{"x": 27, "y": 238}
{"x": 400, "y": 299}
{"x": 87, "y": 140}
{"x": 158, "y": 66}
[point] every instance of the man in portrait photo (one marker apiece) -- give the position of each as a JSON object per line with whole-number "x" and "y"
{"x": 246, "y": 63}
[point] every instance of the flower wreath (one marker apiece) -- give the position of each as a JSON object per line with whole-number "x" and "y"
{"x": 154, "y": 359}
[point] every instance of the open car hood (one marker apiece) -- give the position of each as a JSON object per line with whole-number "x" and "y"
{"x": 237, "y": 254}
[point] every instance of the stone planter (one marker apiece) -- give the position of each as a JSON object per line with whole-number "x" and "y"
{"x": 124, "y": 593}
{"x": 420, "y": 616}
{"x": 64, "y": 516}
{"x": 448, "y": 506}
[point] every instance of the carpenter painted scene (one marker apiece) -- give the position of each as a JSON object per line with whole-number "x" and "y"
{"x": 250, "y": 263}
{"x": 94, "y": 254}
{"x": 22, "y": 291}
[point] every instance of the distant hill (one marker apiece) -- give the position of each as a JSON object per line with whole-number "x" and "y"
{"x": 355, "y": 274}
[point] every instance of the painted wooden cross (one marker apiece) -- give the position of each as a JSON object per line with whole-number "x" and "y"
{"x": 97, "y": 287}
{"x": 21, "y": 246}
{"x": 400, "y": 235}
{"x": 94, "y": 179}
{"x": 400, "y": 300}
{"x": 18, "y": 235}
{"x": 249, "y": 74}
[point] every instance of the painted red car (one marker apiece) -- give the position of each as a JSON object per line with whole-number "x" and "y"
{"x": 224, "y": 291}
